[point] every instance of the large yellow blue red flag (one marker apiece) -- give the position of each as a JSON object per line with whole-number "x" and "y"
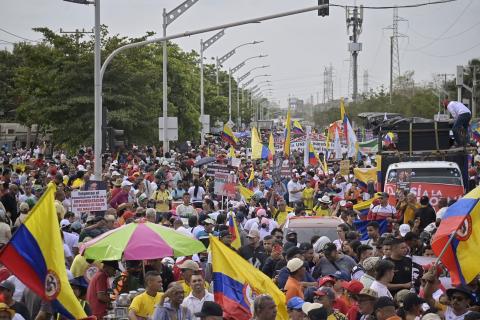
{"x": 271, "y": 146}
{"x": 312, "y": 155}
{"x": 245, "y": 192}
{"x": 251, "y": 178}
{"x": 297, "y": 127}
{"x": 229, "y": 136}
{"x": 462, "y": 219}
{"x": 236, "y": 283}
{"x": 35, "y": 256}
{"x": 259, "y": 151}
{"x": 287, "y": 141}
{"x": 363, "y": 175}
{"x": 233, "y": 228}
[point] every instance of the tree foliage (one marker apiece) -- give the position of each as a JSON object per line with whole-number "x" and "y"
{"x": 52, "y": 84}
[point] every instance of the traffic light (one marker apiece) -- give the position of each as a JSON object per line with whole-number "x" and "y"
{"x": 113, "y": 139}
{"x": 324, "y": 11}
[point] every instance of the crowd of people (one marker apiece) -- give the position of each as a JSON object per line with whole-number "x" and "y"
{"x": 357, "y": 275}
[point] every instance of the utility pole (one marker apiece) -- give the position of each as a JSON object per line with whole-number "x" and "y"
{"x": 354, "y": 18}
{"x": 168, "y": 18}
{"x": 204, "y": 45}
{"x": 77, "y": 34}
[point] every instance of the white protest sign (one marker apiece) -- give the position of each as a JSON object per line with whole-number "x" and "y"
{"x": 86, "y": 201}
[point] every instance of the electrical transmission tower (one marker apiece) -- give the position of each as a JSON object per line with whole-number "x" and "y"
{"x": 394, "y": 51}
{"x": 365, "y": 82}
{"x": 328, "y": 84}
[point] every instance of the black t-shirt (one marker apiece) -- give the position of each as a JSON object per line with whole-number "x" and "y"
{"x": 406, "y": 270}
{"x": 427, "y": 215}
{"x": 256, "y": 256}
{"x": 21, "y": 309}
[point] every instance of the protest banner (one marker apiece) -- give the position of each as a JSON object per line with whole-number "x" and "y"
{"x": 89, "y": 200}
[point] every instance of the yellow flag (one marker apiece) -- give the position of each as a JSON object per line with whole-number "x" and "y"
{"x": 271, "y": 145}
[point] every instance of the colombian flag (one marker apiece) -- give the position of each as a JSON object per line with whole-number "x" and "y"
{"x": 363, "y": 175}
{"x": 297, "y": 127}
{"x": 312, "y": 155}
{"x": 259, "y": 151}
{"x": 228, "y": 136}
{"x": 35, "y": 255}
{"x": 286, "y": 143}
{"x": 245, "y": 192}
{"x": 462, "y": 221}
{"x": 251, "y": 177}
{"x": 236, "y": 283}
{"x": 232, "y": 227}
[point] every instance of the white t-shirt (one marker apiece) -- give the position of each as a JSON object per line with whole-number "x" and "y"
{"x": 449, "y": 315}
{"x": 251, "y": 223}
{"x": 293, "y": 186}
{"x": 457, "y": 108}
{"x": 200, "y": 194}
{"x": 381, "y": 289}
{"x": 71, "y": 240}
{"x": 384, "y": 212}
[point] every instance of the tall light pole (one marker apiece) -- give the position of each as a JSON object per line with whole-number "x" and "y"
{"x": 204, "y": 46}
{"x": 168, "y": 18}
{"x": 97, "y": 136}
{"x": 229, "y": 54}
{"x": 235, "y": 69}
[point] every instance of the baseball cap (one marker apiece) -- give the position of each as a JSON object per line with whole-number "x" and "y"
{"x": 24, "y": 206}
{"x": 369, "y": 263}
{"x": 369, "y": 293}
{"x": 400, "y": 296}
{"x": 253, "y": 234}
{"x": 210, "y": 308}
{"x": 208, "y": 221}
{"x": 324, "y": 280}
{"x": 353, "y": 286}
{"x": 294, "y": 264}
{"x": 126, "y": 183}
{"x": 326, "y": 291}
{"x": 111, "y": 263}
{"x": 404, "y": 229}
{"x": 340, "y": 275}
{"x": 7, "y": 285}
{"x": 383, "y": 302}
{"x": 64, "y": 223}
{"x": 343, "y": 203}
{"x": 295, "y": 303}
{"x": 307, "y": 307}
{"x": 190, "y": 265}
{"x": 81, "y": 168}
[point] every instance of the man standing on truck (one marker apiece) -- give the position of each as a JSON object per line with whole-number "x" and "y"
{"x": 461, "y": 116}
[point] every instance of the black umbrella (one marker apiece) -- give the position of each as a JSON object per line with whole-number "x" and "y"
{"x": 205, "y": 161}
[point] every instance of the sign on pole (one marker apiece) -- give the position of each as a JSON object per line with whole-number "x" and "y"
{"x": 88, "y": 201}
{"x": 172, "y": 128}
{"x": 344, "y": 167}
{"x": 225, "y": 184}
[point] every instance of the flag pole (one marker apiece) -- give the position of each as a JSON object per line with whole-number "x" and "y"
{"x": 452, "y": 235}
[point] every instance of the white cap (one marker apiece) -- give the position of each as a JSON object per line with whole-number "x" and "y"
{"x": 307, "y": 307}
{"x": 64, "y": 223}
{"x": 343, "y": 203}
{"x": 294, "y": 264}
{"x": 404, "y": 229}
{"x": 126, "y": 183}
{"x": 81, "y": 168}
{"x": 116, "y": 173}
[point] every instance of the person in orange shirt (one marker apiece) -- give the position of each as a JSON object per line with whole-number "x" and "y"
{"x": 293, "y": 286}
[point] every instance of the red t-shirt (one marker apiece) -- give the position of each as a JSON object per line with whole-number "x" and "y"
{"x": 353, "y": 312}
{"x": 99, "y": 283}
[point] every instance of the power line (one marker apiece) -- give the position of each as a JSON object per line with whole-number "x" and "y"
{"x": 16, "y": 35}
{"x": 447, "y": 37}
{"x": 446, "y": 30}
{"x": 5, "y": 41}
{"x": 450, "y": 55}
{"x": 401, "y": 7}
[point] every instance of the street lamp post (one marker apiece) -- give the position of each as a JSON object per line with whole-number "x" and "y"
{"x": 204, "y": 46}
{"x": 238, "y": 67}
{"x": 229, "y": 54}
{"x": 168, "y": 18}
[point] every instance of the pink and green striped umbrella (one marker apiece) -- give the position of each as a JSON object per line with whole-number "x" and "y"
{"x": 140, "y": 241}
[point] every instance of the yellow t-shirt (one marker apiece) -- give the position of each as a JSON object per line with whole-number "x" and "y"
{"x": 77, "y": 183}
{"x": 307, "y": 196}
{"x": 80, "y": 267}
{"x": 409, "y": 213}
{"x": 163, "y": 196}
{"x": 319, "y": 212}
{"x": 144, "y": 304}
{"x": 281, "y": 216}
